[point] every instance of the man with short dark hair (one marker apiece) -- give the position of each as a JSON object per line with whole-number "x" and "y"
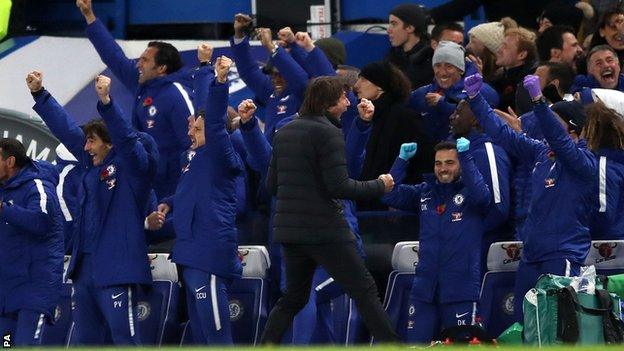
{"x": 308, "y": 175}
{"x": 559, "y": 44}
{"x": 452, "y": 207}
{"x": 449, "y": 31}
{"x": 109, "y": 249}
{"x": 31, "y": 233}
{"x": 603, "y": 71}
{"x": 411, "y": 52}
{"x": 163, "y": 94}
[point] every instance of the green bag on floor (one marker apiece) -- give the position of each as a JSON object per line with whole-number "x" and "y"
{"x": 554, "y": 313}
{"x": 511, "y": 335}
{"x": 616, "y": 284}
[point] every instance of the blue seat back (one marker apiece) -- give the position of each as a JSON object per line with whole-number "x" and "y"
{"x": 496, "y": 302}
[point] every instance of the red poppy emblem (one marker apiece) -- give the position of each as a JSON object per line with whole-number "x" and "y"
{"x": 148, "y": 101}
{"x": 440, "y": 209}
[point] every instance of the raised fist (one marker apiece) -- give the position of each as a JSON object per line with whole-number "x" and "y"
{"x": 222, "y": 68}
{"x": 266, "y": 38}
{"x": 204, "y": 52}
{"x": 366, "y": 109}
{"x": 246, "y": 110}
{"x": 34, "y": 80}
{"x": 532, "y": 85}
{"x": 473, "y": 84}
{"x": 102, "y": 88}
{"x": 303, "y": 39}
{"x": 86, "y": 9}
{"x": 241, "y": 23}
{"x": 286, "y": 35}
{"x": 408, "y": 150}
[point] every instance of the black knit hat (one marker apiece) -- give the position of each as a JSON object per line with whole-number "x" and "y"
{"x": 378, "y": 73}
{"x": 412, "y": 14}
{"x": 567, "y": 15}
{"x": 572, "y": 113}
{"x": 334, "y": 49}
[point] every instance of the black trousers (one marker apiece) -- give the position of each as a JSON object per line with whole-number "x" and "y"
{"x": 343, "y": 263}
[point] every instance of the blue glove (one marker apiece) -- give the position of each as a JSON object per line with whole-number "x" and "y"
{"x": 463, "y": 145}
{"x": 472, "y": 84}
{"x": 408, "y": 150}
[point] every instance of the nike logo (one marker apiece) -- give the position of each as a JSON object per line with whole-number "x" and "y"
{"x": 200, "y": 289}
{"x": 460, "y": 315}
{"x": 116, "y": 296}
{"x": 423, "y": 199}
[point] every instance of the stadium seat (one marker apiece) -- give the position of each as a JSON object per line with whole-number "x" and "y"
{"x": 248, "y": 298}
{"x": 404, "y": 261}
{"x": 496, "y": 302}
{"x": 607, "y": 256}
{"x": 157, "y": 307}
{"x": 58, "y": 334}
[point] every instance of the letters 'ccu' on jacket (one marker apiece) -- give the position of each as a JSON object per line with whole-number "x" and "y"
{"x": 308, "y": 174}
{"x": 31, "y": 233}
{"x": 204, "y": 205}
{"x": 436, "y": 118}
{"x": 279, "y": 106}
{"x": 161, "y": 107}
{"x": 124, "y": 181}
{"x": 451, "y": 229}
{"x": 562, "y": 185}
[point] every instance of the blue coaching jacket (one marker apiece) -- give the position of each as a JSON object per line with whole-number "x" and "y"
{"x": 562, "y": 185}
{"x": 119, "y": 189}
{"x": 588, "y": 82}
{"x": 436, "y": 118}
{"x": 162, "y": 106}
{"x": 31, "y": 233}
{"x": 608, "y": 221}
{"x": 279, "y": 106}
{"x": 69, "y": 171}
{"x": 204, "y": 204}
{"x": 451, "y": 230}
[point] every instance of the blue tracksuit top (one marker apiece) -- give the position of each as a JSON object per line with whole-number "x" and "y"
{"x": 608, "y": 222}
{"x": 122, "y": 187}
{"x": 562, "y": 185}
{"x": 436, "y": 119}
{"x": 162, "y": 106}
{"x": 204, "y": 204}
{"x": 587, "y": 82}
{"x": 451, "y": 230}
{"x": 31, "y": 232}
{"x": 494, "y": 165}
{"x": 277, "y": 107}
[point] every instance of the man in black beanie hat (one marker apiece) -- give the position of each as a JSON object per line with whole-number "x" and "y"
{"x": 407, "y": 32}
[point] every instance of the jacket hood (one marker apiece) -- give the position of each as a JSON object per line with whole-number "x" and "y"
{"x": 34, "y": 170}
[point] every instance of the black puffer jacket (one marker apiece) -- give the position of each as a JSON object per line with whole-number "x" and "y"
{"x": 308, "y": 174}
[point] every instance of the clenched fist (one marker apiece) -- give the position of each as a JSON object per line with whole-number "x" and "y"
{"x": 222, "y": 68}
{"x": 102, "y": 88}
{"x": 303, "y": 39}
{"x": 86, "y": 9}
{"x": 388, "y": 182}
{"x": 246, "y": 110}
{"x": 204, "y": 52}
{"x": 366, "y": 109}
{"x": 34, "y": 80}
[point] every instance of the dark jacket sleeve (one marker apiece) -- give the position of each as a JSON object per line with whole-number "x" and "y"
{"x": 124, "y": 138}
{"x": 217, "y": 137}
{"x": 581, "y": 161}
{"x": 61, "y": 124}
{"x": 295, "y": 76}
{"x": 355, "y": 147}
{"x": 201, "y": 81}
{"x": 478, "y": 191}
{"x": 35, "y": 217}
{"x": 257, "y": 145}
{"x": 516, "y": 144}
{"x": 319, "y": 64}
{"x": 271, "y": 180}
{"x": 249, "y": 71}
{"x": 330, "y": 152}
{"x": 112, "y": 55}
